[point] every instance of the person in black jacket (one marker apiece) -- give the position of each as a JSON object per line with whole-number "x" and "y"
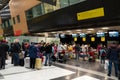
{"x": 48, "y": 51}
{"x": 77, "y": 51}
{"x": 3, "y": 51}
{"x": 16, "y": 50}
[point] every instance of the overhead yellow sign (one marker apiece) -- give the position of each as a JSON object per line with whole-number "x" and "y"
{"x": 83, "y": 39}
{"x": 92, "y": 39}
{"x": 75, "y": 39}
{"x": 102, "y": 39}
{"x": 99, "y": 12}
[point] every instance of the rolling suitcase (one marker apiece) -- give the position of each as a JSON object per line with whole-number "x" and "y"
{"x": 38, "y": 63}
{"x": 27, "y": 62}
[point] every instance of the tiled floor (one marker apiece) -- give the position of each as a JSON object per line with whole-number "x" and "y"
{"x": 72, "y": 70}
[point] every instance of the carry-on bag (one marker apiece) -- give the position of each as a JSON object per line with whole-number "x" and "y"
{"x": 27, "y": 62}
{"x": 38, "y": 63}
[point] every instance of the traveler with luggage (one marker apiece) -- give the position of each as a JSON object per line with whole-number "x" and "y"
{"x": 16, "y": 48}
{"x": 33, "y": 55}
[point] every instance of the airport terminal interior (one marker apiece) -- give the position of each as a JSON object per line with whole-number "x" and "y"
{"x": 59, "y": 40}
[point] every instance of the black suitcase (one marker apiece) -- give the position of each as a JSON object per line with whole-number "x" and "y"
{"x": 21, "y": 62}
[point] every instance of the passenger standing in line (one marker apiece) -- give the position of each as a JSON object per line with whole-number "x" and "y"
{"x": 102, "y": 55}
{"x": 33, "y": 55}
{"x": 77, "y": 51}
{"x": 112, "y": 56}
{"x": 3, "y": 51}
{"x": 16, "y": 50}
{"x": 98, "y": 50}
{"x": 11, "y": 52}
{"x": 48, "y": 50}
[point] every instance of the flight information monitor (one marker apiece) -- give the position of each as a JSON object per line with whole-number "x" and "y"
{"x": 113, "y": 34}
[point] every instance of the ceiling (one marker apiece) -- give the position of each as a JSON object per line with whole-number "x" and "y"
{"x": 4, "y": 9}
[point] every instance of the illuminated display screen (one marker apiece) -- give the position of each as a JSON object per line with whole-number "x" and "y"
{"x": 82, "y": 35}
{"x": 113, "y": 34}
{"x": 100, "y": 34}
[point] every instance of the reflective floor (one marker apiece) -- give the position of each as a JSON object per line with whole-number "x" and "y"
{"x": 72, "y": 70}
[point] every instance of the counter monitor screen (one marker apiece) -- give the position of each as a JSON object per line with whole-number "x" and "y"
{"x": 100, "y": 34}
{"x": 113, "y": 34}
{"x": 82, "y": 35}
{"x": 74, "y": 35}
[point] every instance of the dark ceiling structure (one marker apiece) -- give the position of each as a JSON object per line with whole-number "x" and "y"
{"x": 4, "y": 9}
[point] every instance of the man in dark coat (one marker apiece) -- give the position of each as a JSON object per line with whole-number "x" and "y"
{"x": 3, "y": 51}
{"x": 48, "y": 50}
{"x": 112, "y": 56}
{"x": 16, "y": 49}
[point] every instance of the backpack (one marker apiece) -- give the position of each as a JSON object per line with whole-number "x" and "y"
{"x": 103, "y": 54}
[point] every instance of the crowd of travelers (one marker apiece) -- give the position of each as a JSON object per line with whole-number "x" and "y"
{"x": 54, "y": 52}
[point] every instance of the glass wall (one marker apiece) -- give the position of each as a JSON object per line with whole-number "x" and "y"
{"x": 75, "y": 1}
{"x": 44, "y": 8}
{"x": 64, "y": 3}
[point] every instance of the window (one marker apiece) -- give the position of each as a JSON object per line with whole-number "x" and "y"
{"x": 64, "y": 3}
{"x": 14, "y": 22}
{"x": 3, "y": 26}
{"x": 6, "y": 23}
{"x": 75, "y": 1}
{"x": 0, "y": 25}
{"x": 10, "y": 22}
{"x": 48, "y": 8}
{"x": 18, "y": 18}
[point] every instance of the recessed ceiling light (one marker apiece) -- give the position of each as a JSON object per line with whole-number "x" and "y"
{"x": 105, "y": 28}
{"x": 60, "y": 31}
{"x": 88, "y": 31}
{"x": 68, "y": 31}
{"x": 91, "y": 29}
{"x": 100, "y": 30}
{"x": 53, "y": 32}
{"x": 78, "y": 30}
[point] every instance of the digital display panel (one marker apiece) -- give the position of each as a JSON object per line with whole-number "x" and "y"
{"x": 74, "y": 35}
{"x": 62, "y": 35}
{"x": 82, "y": 35}
{"x": 100, "y": 34}
{"x": 113, "y": 34}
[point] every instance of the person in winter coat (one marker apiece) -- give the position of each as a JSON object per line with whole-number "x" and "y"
{"x": 16, "y": 48}
{"x": 3, "y": 51}
{"x": 33, "y": 55}
{"x": 48, "y": 50}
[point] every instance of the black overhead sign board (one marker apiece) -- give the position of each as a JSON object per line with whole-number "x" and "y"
{"x": 95, "y": 13}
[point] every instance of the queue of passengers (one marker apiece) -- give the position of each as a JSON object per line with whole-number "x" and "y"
{"x": 38, "y": 50}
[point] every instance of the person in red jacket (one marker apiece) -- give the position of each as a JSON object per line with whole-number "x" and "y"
{"x": 91, "y": 55}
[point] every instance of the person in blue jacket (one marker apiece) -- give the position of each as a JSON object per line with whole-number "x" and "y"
{"x": 33, "y": 55}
